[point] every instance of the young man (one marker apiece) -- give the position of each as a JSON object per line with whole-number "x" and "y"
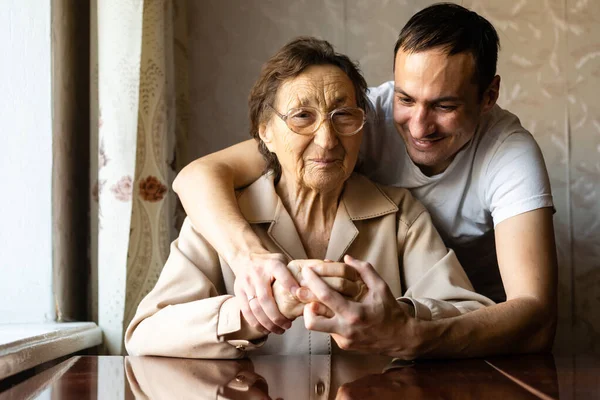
{"x": 437, "y": 131}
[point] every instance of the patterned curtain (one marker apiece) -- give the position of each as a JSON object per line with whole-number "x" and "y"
{"x": 138, "y": 120}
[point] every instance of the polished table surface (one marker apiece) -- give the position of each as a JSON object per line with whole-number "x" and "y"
{"x": 315, "y": 377}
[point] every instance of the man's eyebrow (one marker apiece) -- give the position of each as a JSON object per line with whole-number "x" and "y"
{"x": 434, "y": 101}
{"x": 400, "y": 91}
{"x": 446, "y": 98}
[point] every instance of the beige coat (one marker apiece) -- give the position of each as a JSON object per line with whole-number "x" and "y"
{"x": 192, "y": 306}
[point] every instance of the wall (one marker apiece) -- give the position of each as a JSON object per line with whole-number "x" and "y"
{"x": 25, "y": 162}
{"x": 549, "y": 65}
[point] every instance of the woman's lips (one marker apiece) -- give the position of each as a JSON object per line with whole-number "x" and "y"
{"x": 324, "y": 162}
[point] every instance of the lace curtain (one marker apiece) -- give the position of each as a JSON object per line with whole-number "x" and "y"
{"x": 139, "y": 104}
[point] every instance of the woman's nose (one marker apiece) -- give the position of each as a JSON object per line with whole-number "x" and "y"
{"x": 325, "y": 136}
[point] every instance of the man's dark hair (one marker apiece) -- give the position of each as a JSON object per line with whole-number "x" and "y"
{"x": 454, "y": 29}
{"x": 289, "y": 62}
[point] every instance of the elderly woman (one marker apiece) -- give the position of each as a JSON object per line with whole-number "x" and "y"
{"x": 307, "y": 110}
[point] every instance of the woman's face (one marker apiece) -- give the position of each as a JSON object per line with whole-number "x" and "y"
{"x": 321, "y": 161}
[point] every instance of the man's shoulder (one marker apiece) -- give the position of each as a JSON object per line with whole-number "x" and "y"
{"x": 502, "y": 132}
{"x": 381, "y": 98}
{"x": 381, "y": 144}
{"x": 500, "y": 125}
{"x": 510, "y": 168}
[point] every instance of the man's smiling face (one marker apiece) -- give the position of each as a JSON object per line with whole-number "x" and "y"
{"x": 437, "y": 106}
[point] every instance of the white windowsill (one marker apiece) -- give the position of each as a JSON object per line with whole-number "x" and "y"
{"x": 23, "y": 346}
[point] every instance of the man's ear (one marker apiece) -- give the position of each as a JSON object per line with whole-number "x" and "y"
{"x": 491, "y": 94}
{"x": 266, "y": 135}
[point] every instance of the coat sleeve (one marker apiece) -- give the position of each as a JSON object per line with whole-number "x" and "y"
{"x": 188, "y": 311}
{"x": 436, "y": 284}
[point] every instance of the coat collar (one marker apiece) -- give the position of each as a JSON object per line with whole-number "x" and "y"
{"x": 361, "y": 199}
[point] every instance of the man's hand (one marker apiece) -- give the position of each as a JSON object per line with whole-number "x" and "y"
{"x": 376, "y": 324}
{"x": 254, "y": 277}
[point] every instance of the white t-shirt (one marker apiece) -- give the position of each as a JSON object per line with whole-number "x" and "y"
{"x": 500, "y": 173}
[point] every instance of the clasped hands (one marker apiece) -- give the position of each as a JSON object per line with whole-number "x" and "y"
{"x": 338, "y": 276}
{"x": 349, "y": 300}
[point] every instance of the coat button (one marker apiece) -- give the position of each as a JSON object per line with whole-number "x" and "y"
{"x": 320, "y": 388}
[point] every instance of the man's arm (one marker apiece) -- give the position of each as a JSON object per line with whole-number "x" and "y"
{"x": 206, "y": 189}
{"x": 526, "y": 322}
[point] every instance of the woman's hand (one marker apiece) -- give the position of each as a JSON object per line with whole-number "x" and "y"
{"x": 289, "y": 305}
{"x": 339, "y": 276}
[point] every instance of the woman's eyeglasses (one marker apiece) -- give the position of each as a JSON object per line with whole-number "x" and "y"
{"x": 345, "y": 121}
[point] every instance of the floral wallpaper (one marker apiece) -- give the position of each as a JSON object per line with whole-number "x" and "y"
{"x": 550, "y": 69}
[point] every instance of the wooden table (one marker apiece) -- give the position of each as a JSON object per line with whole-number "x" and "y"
{"x": 315, "y": 377}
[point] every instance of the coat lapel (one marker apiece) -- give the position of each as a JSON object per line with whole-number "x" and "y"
{"x": 361, "y": 199}
{"x": 343, "y": 234}
{"x": 259, "y": 203}
{"x": 283, "y": 232}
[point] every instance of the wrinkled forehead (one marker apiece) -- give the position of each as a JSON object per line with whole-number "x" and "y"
{"x": 434, "y": 73}
{"x": 321, "y": 86}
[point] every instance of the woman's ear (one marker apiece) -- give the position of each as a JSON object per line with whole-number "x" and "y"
{"x": 266, "y": 135}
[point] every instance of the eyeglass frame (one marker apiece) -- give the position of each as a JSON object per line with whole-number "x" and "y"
{"x": 327, "y": 116}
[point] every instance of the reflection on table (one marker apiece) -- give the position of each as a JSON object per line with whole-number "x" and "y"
{"x": 315, "y": 377}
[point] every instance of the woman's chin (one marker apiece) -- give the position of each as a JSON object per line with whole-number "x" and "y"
{"x": 326, "y": 181}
